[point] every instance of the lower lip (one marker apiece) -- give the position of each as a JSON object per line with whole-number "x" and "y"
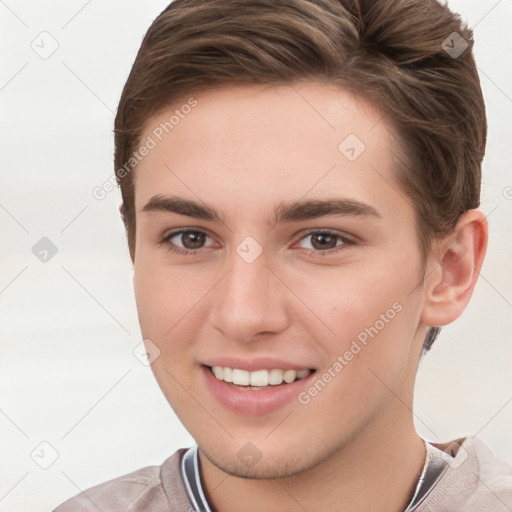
{"x": 256, "y": 402}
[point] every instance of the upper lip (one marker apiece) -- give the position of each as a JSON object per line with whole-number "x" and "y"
{"x": 255, "y": 363}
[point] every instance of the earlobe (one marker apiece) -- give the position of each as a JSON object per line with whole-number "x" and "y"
{"x": 121, "y": 211}
{"x": 458, "y": 262}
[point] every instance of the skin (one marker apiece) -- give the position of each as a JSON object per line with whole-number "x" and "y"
{"x": 242, "y": 150}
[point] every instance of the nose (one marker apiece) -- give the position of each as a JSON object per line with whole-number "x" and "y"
{"x": 249, "y": 301}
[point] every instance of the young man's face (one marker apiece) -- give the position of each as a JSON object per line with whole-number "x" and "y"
{"x": 335, "y": 296}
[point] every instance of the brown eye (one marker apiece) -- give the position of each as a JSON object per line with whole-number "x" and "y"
{"x": 324, "y": 242}
{"x": 186, "y": 241}
{"x": 192, "y": 239}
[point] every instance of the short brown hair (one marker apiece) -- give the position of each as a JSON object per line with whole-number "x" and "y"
{"x": 395, "y": 53}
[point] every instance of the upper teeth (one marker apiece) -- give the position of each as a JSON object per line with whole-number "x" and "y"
{"x": 259, "y": 377}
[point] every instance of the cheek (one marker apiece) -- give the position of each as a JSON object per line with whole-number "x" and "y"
{"x": 168, "y": 302}
{"x": 350, "y": 299}
{"x": 368, "y": 315}
{"x": 367, "y": 360}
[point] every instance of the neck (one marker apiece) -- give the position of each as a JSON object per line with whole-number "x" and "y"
{"x": 377, "y": 470}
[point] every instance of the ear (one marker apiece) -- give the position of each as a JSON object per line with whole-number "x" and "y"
{"x": 455, "y": 264}
{"x": 121, "y": 211}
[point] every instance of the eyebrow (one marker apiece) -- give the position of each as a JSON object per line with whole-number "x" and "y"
{"x": 290, "y": 211}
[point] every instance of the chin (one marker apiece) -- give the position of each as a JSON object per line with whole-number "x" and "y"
{"x": 279, "y": 466}
{"x": 279, "y": 460}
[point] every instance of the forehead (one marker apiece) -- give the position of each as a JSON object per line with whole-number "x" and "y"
{"x": 277, "y": 142}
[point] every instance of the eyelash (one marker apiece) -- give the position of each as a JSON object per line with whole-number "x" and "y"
{"x": 192, "y": 252}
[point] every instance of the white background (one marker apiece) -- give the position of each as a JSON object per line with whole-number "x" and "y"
{"x": 68, "y": 327}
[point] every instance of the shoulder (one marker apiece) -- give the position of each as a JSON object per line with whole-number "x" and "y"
{"x": 149, "y": 489}
{"x": 494, "y": 475}
{"x": 475, "y": 480}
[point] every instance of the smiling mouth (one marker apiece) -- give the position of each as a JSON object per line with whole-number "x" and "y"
{"x": 259, "y": 379}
